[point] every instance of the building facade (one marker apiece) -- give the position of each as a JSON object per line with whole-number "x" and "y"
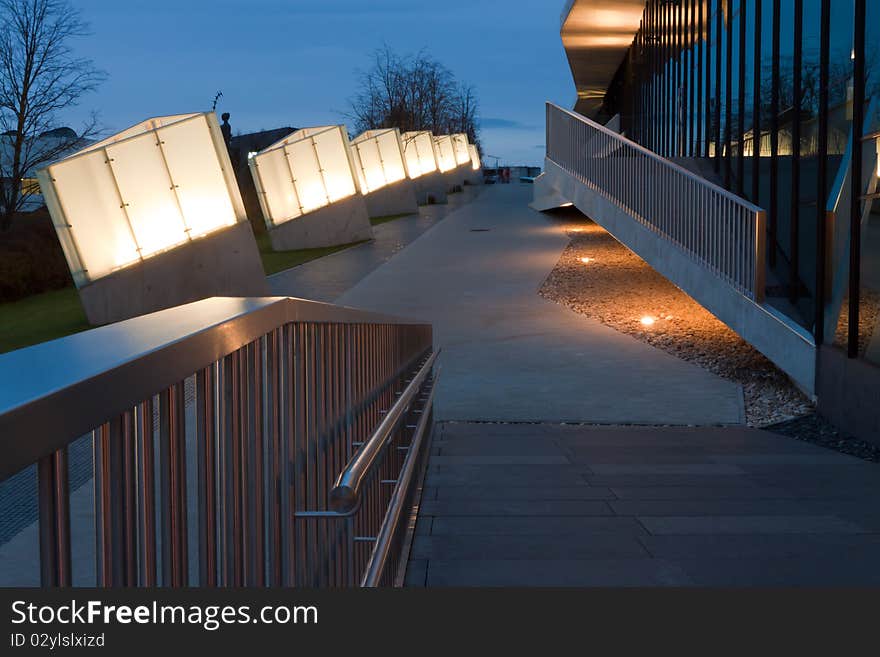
{"x": 778, "y": 102}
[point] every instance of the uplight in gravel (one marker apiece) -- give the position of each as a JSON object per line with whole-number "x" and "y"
{"x": 586, "y": 261}
{"x": 647, "y": 320}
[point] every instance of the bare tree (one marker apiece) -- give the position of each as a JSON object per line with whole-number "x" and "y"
{"x": 413, "y": 93}
{"x": 39, "y": 77}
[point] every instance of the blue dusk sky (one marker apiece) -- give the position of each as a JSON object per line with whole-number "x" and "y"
{"x": 295, "y": 62}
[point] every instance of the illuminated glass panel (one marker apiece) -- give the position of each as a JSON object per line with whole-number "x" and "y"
{"x": 144, "y": 190}
{"x": 418, "y": 148}
{"x": 307, "y": 170}
{"x": 445, "y": 153}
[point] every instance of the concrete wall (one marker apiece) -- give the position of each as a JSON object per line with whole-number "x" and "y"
{"x": 343, "y": 222}
{"x": 454, "y": 180}
{"x": 223, "y": 264}
{"x": 399, "y": 198}
{"x": 431, "y": 188}
{"x": 789, "y": 346}
{"x": 848, "y": 391}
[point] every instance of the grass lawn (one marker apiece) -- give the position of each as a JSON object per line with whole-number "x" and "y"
{"x": 276, "y": 261}
{"x": 391, "y": 217}
{"x": 55, "y": 314}
{"x": 40, "y": 318}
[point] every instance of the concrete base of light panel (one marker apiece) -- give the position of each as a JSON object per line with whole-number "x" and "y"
{"x": 454, "y": 179}
{"x": 431, "y": 188}
{"x": 223, "y": 264}
{"x": 342, "y": 222}
{"x": 399, "y": 198}
{"x": 474, "y": 177}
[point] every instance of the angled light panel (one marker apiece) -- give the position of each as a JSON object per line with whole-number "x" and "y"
{"x": 307, "y": 170}
{"x": 476, "y": 163}
{"x": 460, "y": 148}
{"x": 445, "y": 153}
{"x": 418, "y": 148}
{"x": 378, "y": 159}
{"x": 148, "y": 189}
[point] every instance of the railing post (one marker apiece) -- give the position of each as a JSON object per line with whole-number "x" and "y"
{"x": 760, "y": 256}
{"x": 54, "y": 501}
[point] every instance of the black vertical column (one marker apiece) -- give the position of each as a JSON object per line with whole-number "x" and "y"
{"x": 794, "y": 222}
{"x": 772, "y": 219}
{"x": 692, "y": 68}
{"x": 708, "y": 73}
{"x": 741, "y": 109}
{"x": 756, "y": 107}
{"x": 719, "y": 26}
{"x": 855, "y": 217}
{"x": 822, "y": 175}
{"x": 728, "y": 89}
{"x": 699, "y": 106}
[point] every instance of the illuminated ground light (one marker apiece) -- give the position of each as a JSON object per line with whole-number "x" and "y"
{"x": 586, "y": 261}
{"x": 647, "y": 320}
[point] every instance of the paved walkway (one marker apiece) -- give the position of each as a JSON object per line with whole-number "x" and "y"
{"x": 547, "y": 505}
{"x": 327, "y": 278}
{"x": 510, "y": 355}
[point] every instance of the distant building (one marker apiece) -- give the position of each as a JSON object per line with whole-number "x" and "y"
{"x": 60, "y": 142}
{"x": 241, "y": 148}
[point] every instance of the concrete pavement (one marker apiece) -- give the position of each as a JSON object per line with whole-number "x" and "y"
{"x": 510, "y": 355}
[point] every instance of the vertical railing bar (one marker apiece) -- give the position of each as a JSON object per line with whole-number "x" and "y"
{"x": 54, "y": 519}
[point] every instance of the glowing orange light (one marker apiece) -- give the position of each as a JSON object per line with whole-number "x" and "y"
{"x": 647, "y": 320}
{"x": 586, "y": 261}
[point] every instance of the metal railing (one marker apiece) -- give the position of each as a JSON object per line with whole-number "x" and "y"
{"x": 219, "y": 430}
{"x": 722, "y": 231}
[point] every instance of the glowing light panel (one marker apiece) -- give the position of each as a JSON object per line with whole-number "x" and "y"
{"x": 418, "y": 148}
{"x": 460, "y": 148}
{"x": 476, "y": 163}
{"x": 378, "y": 158}
{"x": 307, "y": 170}
{"x": 445, "y": 153}
{"x": 147, "y": 189}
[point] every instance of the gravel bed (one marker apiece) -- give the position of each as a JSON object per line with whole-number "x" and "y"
{"x": 815, "y": 429}
{"x": 617, "y": 288}
{"x": 869, "y": 315}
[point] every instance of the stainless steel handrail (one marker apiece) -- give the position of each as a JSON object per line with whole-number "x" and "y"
{"x": 66, "y": 387}
{"x": 722, "y": 231}
{"x": 226, "y": 417}
{"x": 345, "y": 494}
{"x": 382, "y": 549}
{"x": 672, "y": 166}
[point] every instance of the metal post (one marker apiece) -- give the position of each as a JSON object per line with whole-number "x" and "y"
{"x": 855, "y": 226}
{"x": 54, "y": 503}
{"x": 756, "y": 108}
{"x": 794, "y": 224}
{"x": 822, "y": 176}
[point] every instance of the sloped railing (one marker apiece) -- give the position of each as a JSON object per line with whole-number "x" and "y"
{"x": 723, "y": 232}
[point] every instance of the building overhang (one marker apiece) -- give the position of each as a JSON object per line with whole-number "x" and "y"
{"x": 596, "y": 35}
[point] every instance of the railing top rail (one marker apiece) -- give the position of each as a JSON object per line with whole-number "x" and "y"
{"x": 345, "y": 494}
{"x": 53, "y": 392}
{"x": 660, "y": 160}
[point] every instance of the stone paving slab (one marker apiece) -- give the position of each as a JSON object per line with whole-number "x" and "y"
{"x": 562, "y": 572}
{"x": 534, "y": 493}
{"x": 502, "y": 507}
{"x": 556, "y": 546}
{"x": 747, "y": 546}
{"x": 773, "y": 512}
{"x": 844, "y": 571}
